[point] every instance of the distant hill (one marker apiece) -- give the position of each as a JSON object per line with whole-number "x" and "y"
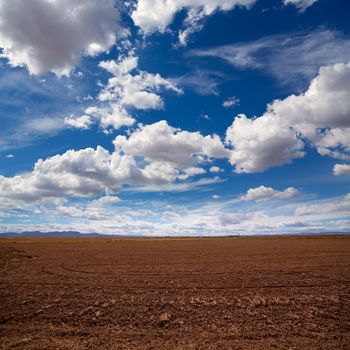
{"x": 77, "y": 234}
{"x": 56, "y": 234}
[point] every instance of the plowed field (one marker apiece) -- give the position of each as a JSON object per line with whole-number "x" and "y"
{"x": 224, "y": 293}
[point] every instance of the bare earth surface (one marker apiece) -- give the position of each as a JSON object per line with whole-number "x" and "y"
{"x": 247, "y": 293}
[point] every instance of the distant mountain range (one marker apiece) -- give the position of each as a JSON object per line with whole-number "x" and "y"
{"x": 57, "y": 234}
{"x": 77, "y": 234}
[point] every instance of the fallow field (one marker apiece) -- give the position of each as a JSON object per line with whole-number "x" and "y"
{"x": 205, "y": 293}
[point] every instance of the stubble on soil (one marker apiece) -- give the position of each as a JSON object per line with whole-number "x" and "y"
{"x": 224, "y": 293}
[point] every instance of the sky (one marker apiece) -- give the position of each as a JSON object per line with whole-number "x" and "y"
{"x": 175, "y": 117}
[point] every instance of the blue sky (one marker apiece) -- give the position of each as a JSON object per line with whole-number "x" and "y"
{"x": 183, "y": 117}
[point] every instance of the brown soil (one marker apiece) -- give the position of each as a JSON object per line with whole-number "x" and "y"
{"x": 247, "y": 293}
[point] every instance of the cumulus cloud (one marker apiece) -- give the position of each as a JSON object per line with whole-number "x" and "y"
{"x": 215, "y": 169}
{"x": 121, "y": 67}
{"x": 293, "y": 58}
{"x": 152, "y": 155}
{"x": 109, "y": 115}
{"x": 48, "y": 35}
{"x": 82, "y": 122}
{"x": 105, "y": 201}
{"x": 83, "y": 173}
{"x": 127, "y": 89}
{"x": 341, "y": 169}
{"x": 134, "y": 90}
{"x": 153, "y": 16}
{"x": 193, "y": 171}
{"x": 230, "y": 102}
{"x": 301, "y": 5}
{"x": 320, "y": 116}
{"x": 261, "y": 143}
{"x": 263, "y": 193}
{"x": 162, "y": 143}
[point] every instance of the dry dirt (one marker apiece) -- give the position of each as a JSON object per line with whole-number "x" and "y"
{"x": 246, "y": 293}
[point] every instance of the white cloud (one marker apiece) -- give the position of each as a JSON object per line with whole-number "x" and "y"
{"x": 193, "y": 171}
{"x": 122, "y": 67}
{"x": 127, "y": 89}
{"x": 157, "y": 15}
{"x": 83, "y": 173}
{"x": 261, "y": 143}
{"x": 36, "y": 118}
{"x": 205, "y": 116}
{"x": 138, "y": 91}
{"x": 320, "y": 115}
{"x": 46, "y": 35}
{"x": 105, "y": 201}
{"x": 177, "y": 186}
{"x": 153, "y": 155}
{"x": 230, "y": 102}
{"x": 111, "y": 115}
{"x": 292, "y": 58}
{"x": 340, "y": 206}
{"x": 163, "y": 143}
{"x": 82, "y": 122}
{"x": 263, "y": 193}
{"x": 193, "y": 23}
{"x": 341, "y": 169}
{"x": 215, "y": 169}
{"x": 301, "y": 5}
{"x": 342, "y": 225}
{"x": 43, "y": 125}
{"x": 95, "y": 210}
{"x": 9, "y": 156}
{"x": 216, "y": 217}
{"x": 202, "y": 81}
